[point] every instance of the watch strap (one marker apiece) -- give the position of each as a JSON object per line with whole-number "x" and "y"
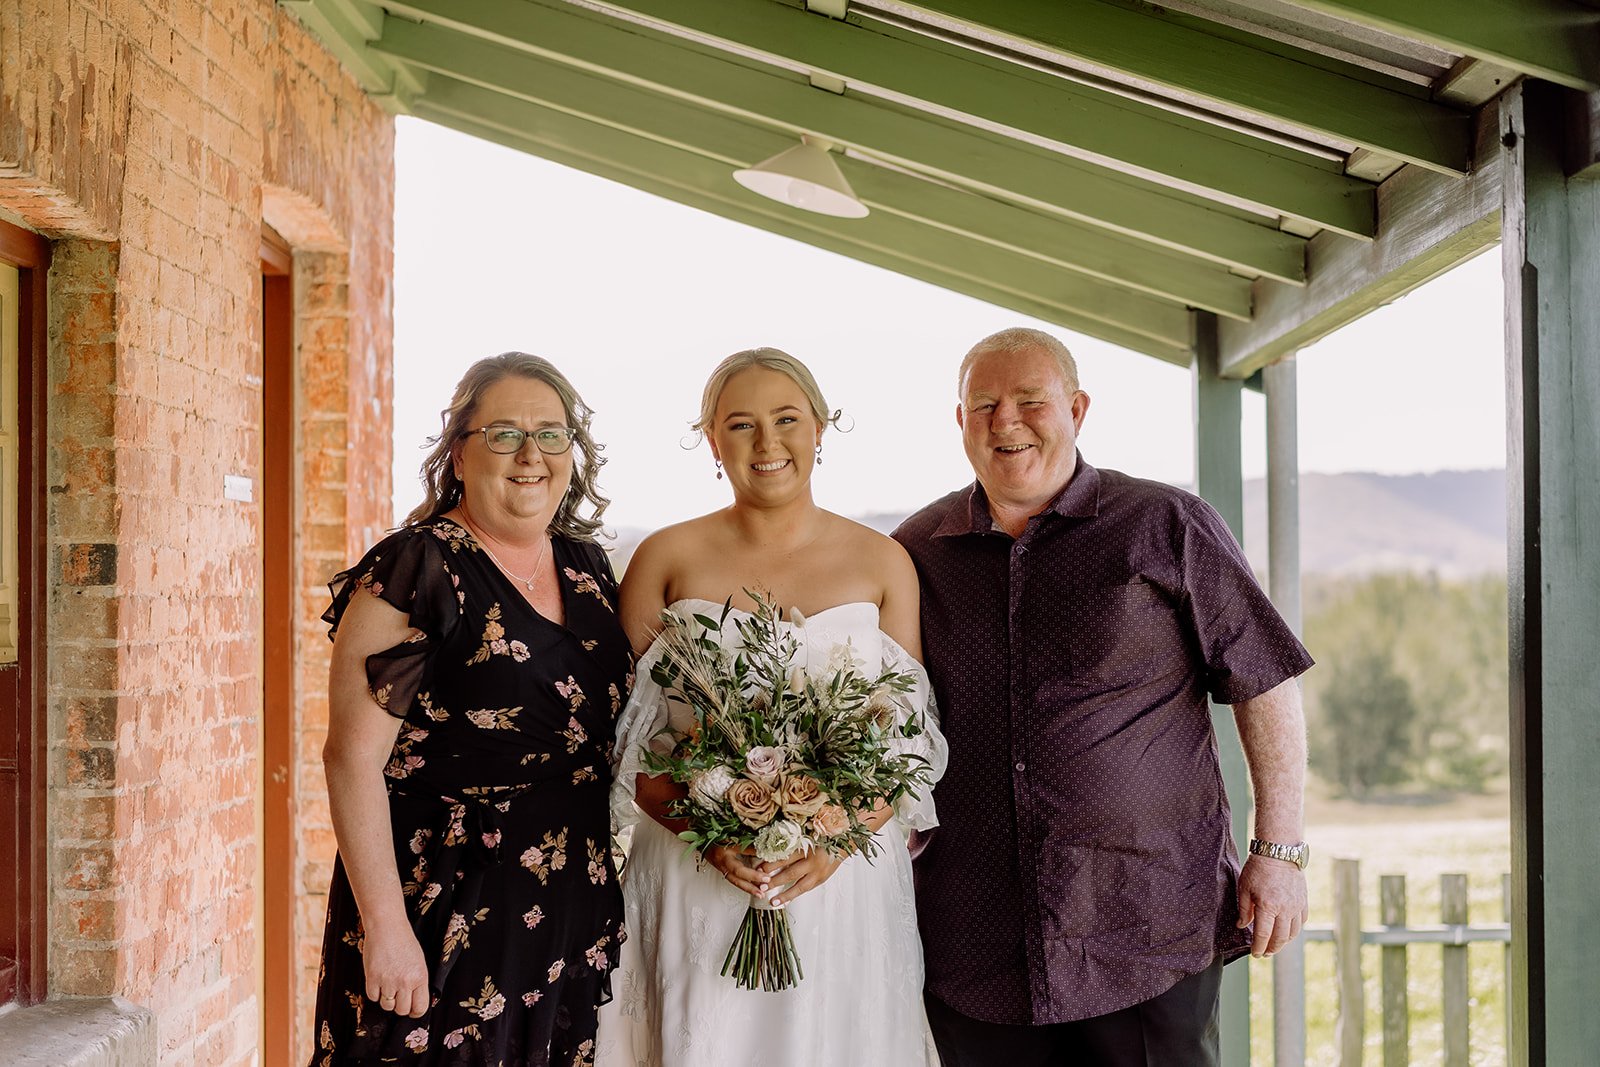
{"x": 1298, "y": 853}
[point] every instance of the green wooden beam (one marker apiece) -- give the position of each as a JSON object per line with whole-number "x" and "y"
{"x": 982, "y": 162}
{"x": 1183, "y": 53}
{"x": 687, "y": 178}
{"x": 341, "y": 35}
{"x": 1583, "y": 154}
{"x": 1429, "y": 223}
{"x": 1000, "y": 269}
{"x": 1083, "y": 249}
{"x": 1557, "y": 40}
{"x": 346, "y": 28}
{"x": 1090, "y": 124}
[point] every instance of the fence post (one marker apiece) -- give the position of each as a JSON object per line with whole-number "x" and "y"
{"x": 1396, "y": 1012}
{"x": 1453, "y": 912}
{"x": 1347, "y": 960}
{"x": 1505, "y": 911}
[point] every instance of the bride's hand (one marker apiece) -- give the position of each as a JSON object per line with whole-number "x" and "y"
{"x": 804, "y": 871}
{"x": 739, "y": 869}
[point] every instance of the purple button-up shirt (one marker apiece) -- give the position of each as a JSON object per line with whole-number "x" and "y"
{"x": 1083, "y": 861}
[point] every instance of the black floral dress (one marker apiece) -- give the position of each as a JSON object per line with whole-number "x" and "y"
{"x": 498, "y": 793}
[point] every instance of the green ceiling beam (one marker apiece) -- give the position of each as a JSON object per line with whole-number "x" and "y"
{"x": 885, "y": 241}
{"x": 1035, "y": 178}
{"x": 1059, "y": 242}
{"x": 1083, "y": 249}
{"x": 1090, "y": 124}
{"x": 346, "y": 28}
{"x": 1557, "y": 40}
{"x": 1431, "y": 223}
{"x": 1188, "y": 55}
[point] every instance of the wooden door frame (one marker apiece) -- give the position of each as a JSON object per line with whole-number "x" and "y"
{"x": 30, "y": 253}
{"x": 278, "y": 757}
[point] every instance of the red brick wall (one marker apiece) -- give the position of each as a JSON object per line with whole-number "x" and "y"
{"x": 153, "y": 140}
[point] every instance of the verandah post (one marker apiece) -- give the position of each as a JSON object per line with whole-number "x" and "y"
{"x": 1551, "y": 266}
{"x": 1219, "y": 478}
{"x": 1283, "y": 584}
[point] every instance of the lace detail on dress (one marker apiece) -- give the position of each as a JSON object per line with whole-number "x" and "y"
{"x": 860, "y": 1001}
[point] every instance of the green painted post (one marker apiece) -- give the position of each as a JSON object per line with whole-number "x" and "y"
{"x": 1219, "y": 478}
{"x": 1551, "y": 252}
{"x": 1283, "y": 583}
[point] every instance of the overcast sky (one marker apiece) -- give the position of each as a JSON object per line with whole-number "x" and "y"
{"x": 636, "y": 299}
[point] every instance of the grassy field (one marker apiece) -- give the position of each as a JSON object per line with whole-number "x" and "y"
{"x": 1420, "y": 838}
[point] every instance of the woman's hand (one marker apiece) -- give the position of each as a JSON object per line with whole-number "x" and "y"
{"x": 397, "y": 972}
{"x": 799, "y": 873}
{"x": 740, "y": 869}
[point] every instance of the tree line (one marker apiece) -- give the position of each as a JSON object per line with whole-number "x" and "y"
{"x": 1410, "y": 688}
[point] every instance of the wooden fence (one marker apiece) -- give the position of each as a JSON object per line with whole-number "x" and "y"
{"x": 1452, "y": 933}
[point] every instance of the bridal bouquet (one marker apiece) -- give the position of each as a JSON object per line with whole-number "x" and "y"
{"x": 776, "y": 761}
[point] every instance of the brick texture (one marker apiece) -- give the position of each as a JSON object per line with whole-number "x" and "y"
{"x": 151, "y": 141}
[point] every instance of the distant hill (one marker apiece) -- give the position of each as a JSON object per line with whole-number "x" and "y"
{"x": 1451, "y": 523}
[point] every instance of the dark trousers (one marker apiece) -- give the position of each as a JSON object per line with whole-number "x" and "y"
{"x": 1176, "y": 1029}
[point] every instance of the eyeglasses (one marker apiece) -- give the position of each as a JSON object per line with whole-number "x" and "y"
{"x": 505, "y": 440}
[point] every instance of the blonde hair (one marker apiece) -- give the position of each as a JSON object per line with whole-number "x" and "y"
{"x": 441, "y": 487}
{"x": 1019, "y": 339}
{"x": 771, "y": 359}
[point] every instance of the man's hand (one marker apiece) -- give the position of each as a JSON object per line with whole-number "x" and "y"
{"x": 1272, "y": 894}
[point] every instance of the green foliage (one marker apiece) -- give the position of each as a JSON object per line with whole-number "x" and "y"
{"x": 835, "y": 731}
{"x": 1368, "y": 716}
{"x": 1446, "y": 642}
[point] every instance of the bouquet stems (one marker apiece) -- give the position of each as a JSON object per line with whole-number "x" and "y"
{"x": 762, "y": 955}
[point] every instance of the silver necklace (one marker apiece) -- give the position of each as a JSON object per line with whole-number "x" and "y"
{"x": 527, "y": 583}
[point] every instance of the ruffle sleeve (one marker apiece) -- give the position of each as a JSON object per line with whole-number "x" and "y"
{"x": 643, "y": 727}
{"x": 410, "y": 571}
{"x": 916, "y": 812}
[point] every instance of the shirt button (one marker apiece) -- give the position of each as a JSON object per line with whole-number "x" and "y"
{"x": 1022, "y": 766}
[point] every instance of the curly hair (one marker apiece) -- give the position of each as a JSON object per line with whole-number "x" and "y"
{"x": 442, "y": 489}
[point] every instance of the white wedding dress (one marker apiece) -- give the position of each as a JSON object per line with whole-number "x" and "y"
{"x": 860, "y": 1002}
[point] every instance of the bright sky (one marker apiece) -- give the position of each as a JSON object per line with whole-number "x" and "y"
{"x": 636, "y": 299}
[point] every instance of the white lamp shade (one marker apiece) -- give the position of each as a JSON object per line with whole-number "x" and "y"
{"x": 805, "y": 177}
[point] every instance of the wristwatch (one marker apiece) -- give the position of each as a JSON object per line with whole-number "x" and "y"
{"x": 1298, "y": 854}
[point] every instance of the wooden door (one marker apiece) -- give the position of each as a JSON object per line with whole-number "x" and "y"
{"x": 24, "y": 259}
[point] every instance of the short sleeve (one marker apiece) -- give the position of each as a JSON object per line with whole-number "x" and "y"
{"x": 409, "y": 571}
{"x": 1246, "y": 646}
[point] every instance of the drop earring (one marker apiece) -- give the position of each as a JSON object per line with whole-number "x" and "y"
{"x": 719, "y": 469}
{"x": 819, "y": 455}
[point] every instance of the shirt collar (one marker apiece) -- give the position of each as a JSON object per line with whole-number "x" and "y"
{"x": 1079, "y": 499}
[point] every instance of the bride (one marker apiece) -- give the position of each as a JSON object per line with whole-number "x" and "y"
{"x": 853, "y": 919}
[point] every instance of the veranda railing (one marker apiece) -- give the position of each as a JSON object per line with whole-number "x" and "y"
{"x": 1453, "y": 933}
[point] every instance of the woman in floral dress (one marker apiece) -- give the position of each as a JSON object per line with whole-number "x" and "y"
{"x": 478, "y": 670}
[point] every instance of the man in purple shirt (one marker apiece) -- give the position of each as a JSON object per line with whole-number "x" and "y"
{"x": 1082, "y": 891}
